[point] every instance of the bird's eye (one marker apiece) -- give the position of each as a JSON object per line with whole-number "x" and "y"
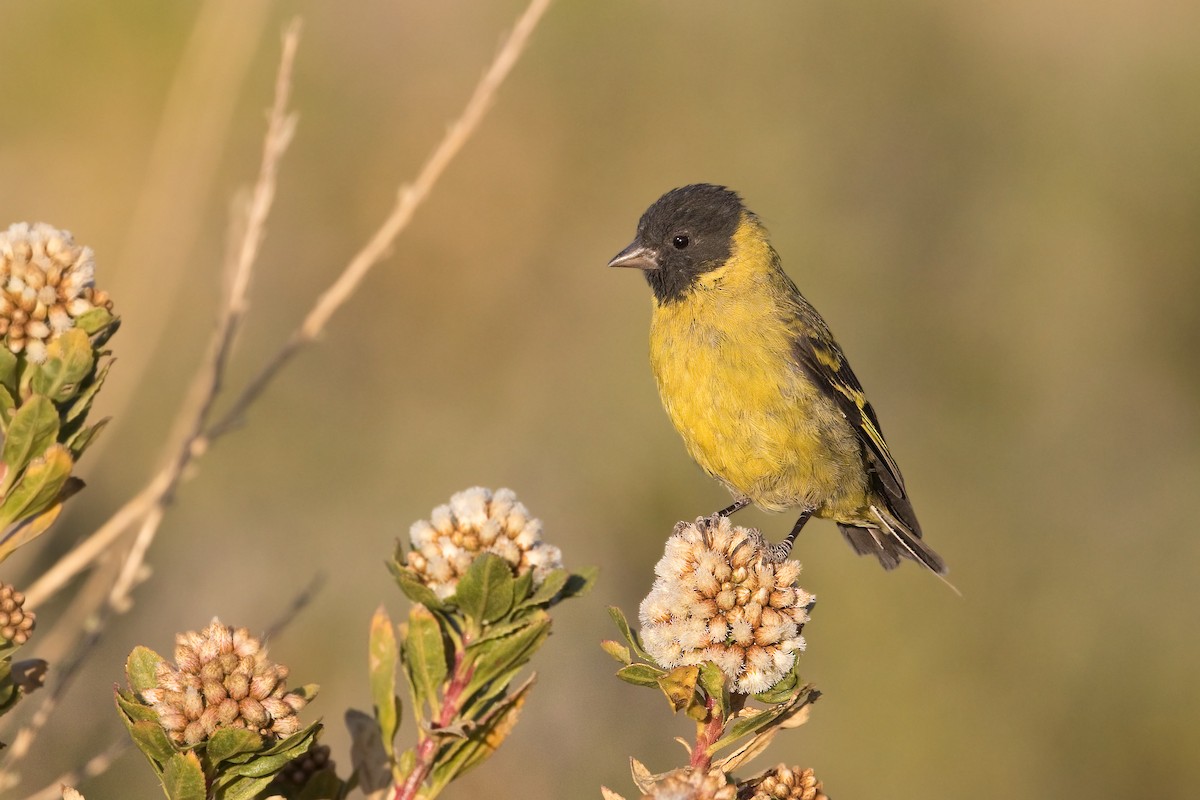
{"x": 680, "y": 242}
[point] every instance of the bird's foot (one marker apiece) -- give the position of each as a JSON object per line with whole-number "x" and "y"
{"x": 778, "y": 553}
{"x": 738, "y": 505}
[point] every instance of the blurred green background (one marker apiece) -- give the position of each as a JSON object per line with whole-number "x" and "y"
{"x": 995, "y": 205}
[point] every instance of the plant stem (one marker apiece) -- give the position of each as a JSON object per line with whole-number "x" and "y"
{"x": 426, "y": 750}
{"x": 428, "y": 747}
{"x": 706, "y": 735}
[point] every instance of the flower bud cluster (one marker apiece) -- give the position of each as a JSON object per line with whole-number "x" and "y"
{"x": 46, "y": 283}
{"x": 16, "y": 624}
{"x": 222, "y": 679}
{"x": 719, "y": 596}
{"x": 787, "y": 783}
{"x": 477, "y": 521}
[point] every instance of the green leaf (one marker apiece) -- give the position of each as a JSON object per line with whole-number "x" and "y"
{"x": 69, "y": 359}
{"x": 133, "y": 710}
{"x": 755, "y": 723}
{"x": 225, "y": 743}
{"x": 299, "y": 742}
{"x": 484, "y": 697}
{"x": 84, "y": 438}
{"x": 266, "y": 763}
{"x": 500, "y": 630}
{"x": 9, "y": 694}
{"x": 782, "y": 690}
{"x": 522, "y": 587}
{"x": 412, "y": 587}
{"x": 618, "y": 616}
{"x": 508, "y": 654}
{"x": 243, "y": 788}
{"x": 551, "y": 585}
{"x": 752, "y": 746}
{"x": 745, "y": 725}
{"x": 617, "y": 650}
{"x": 679, "y": 685}
{"x": 95, "y": 320}
{"x": 182, "y": 778}
{"x": 424, "y": 657}
{"x": 142, "y": 723}
{"x": 83, "y": 402}
{"x": 715, "y": 685}
{"x": 141, "y": 668}
{"x": 7, "y": 404}
{"x": 152, "y": 740}
{"x": 27, "y": 530}
{"x": 485, "y": 591}
{"x": 481, "y": 741}
{"x": 8, "y": 370}
{"x": 33, "y": 429}
{"x": 382, "y": 659}
{"x": 36, "y": 491}
{"x": 640, "y": 674}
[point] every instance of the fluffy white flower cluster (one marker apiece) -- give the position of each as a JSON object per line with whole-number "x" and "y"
{"x": 477, "y": 521}
{"x": 719, "y": 597}
{"x": 45, "y": 284}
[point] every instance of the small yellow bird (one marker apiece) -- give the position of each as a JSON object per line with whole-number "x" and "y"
{"x": 756, "y": 385}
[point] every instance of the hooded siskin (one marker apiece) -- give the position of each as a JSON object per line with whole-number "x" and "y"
{"x": 753, "y": 380}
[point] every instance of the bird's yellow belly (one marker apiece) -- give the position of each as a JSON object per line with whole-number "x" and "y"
{"x": 744, "y": 412}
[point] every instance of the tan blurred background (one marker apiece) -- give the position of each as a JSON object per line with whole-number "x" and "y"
{"x": 995, "y": 205}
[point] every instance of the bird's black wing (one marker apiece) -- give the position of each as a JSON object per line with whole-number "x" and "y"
{"x": 819, "y": 356}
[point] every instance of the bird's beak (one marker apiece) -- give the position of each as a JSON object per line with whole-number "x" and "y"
{"x": 637, "y": 256}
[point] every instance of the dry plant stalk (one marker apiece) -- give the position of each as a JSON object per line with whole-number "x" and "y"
{"x": 152, "y": 500}
{"x": 147, "y": 507}
{"x": 409, "y": 198}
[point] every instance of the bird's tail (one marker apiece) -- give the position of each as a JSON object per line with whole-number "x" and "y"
{"x": 892, "y": 540}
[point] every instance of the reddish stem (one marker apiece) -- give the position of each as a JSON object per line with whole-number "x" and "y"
{"x": 428, "y": 746}
{"x": 705, "y": 737}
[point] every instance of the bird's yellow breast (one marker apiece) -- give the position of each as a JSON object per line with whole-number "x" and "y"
{"x": 723, "y": 359}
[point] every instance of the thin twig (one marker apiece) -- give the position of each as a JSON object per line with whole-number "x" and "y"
{"x": 208, "y": 383}
{"x": 209, "y": 380}
{"x": 98, "y": 543}
{"x": 181, "y": 167}
{"x": 150, "y": 505}
{"x": 279, "y": 135}
{"x": 300, "y": 602}
{"x": 408, "y": 200}
{"x": 133, "y": 568}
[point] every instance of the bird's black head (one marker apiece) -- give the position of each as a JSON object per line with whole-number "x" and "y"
{"x": 684, "y": 234}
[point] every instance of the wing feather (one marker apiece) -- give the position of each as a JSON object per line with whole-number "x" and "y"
{"x": 818, "y": 354}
